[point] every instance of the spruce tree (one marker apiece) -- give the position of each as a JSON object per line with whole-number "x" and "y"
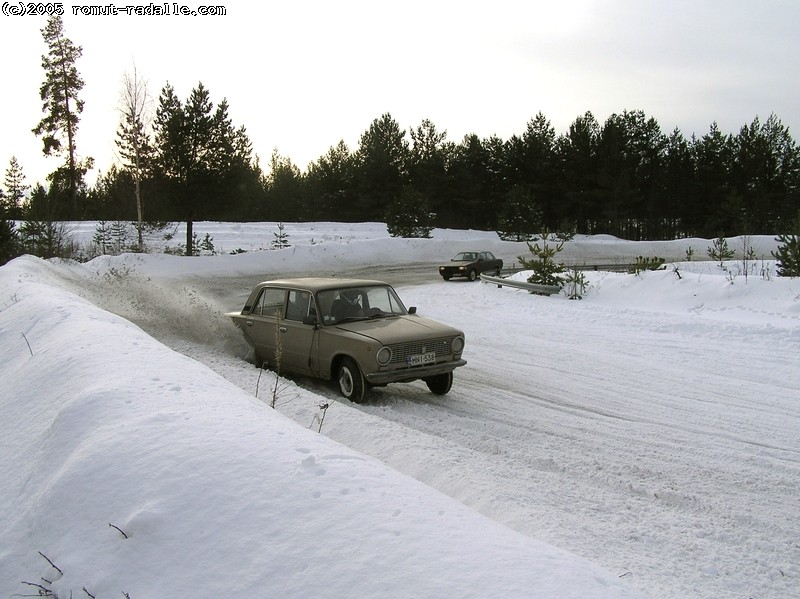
{"x": 281, "y": 240}
{"x": 15, "y": 189}
{"x": 9, "y": 241}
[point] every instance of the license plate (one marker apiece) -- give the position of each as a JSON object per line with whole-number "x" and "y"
{"x": 419, "y": 359}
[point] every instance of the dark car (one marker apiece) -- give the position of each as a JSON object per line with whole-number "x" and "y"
{"x": 470, "y": 265}
{"x": 355, "y": 332}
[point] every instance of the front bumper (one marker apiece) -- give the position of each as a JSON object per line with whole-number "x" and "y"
{"x": 452, "y": 271}
{"x": 404, "y": 375}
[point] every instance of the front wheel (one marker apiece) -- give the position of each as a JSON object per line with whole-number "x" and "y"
{"x": 351, "y": 382}
{"x": 441, "y": 383}
{"x": 473, "y": 274}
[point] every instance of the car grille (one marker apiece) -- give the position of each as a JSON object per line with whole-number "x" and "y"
{"x": 401, "y": 351}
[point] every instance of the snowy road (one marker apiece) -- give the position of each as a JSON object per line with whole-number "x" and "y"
{"x": 661, "y": 443}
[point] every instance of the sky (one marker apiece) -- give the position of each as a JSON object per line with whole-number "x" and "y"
{"x": 301, "y": 76}
{"x": 641, "y": 442}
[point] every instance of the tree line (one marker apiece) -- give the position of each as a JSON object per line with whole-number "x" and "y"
{"x": 625, "y": 176}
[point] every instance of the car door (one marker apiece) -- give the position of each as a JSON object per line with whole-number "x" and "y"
{"x": 298, "y": 339}
{"x": 261, "y": 326}
{"x": 486, "y": 262}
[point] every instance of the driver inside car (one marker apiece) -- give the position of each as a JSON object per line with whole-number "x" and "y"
{"x": 348, "y": 305}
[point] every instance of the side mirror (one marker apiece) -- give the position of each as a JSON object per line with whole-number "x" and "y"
{"x": 412, "y": 310}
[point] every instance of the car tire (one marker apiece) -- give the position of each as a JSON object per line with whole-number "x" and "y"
{"x": 473, "y": 274}
{"x": 446, "y": 277}
{"x": 350, "y": 380}
{"x": 441, "y": 383}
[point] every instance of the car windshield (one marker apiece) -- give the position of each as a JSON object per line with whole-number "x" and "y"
{"x": 359, "y": 303}
{"x": 464, "y": 257}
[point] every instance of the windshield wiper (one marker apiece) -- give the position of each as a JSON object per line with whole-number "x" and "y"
{"x": 351, "y": 318}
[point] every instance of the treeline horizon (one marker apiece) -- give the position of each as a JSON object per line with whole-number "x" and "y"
{"x": 625, "y": 176}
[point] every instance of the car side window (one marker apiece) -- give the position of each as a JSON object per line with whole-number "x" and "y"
{"x": 299, "y": 305}
{"x": 270, "y": 302}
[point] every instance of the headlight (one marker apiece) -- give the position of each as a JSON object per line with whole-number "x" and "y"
{"x": 384, "y": 356}
{"x": 458, "y": 345}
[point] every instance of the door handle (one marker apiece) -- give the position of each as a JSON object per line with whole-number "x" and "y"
{"x": 282, "y": 329}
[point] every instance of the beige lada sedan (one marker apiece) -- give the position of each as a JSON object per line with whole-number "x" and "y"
{"x": 355, "y": 332}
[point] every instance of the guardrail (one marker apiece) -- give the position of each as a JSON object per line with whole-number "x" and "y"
{"x": 529, "y": 287}
{"x": 615, "y": 267}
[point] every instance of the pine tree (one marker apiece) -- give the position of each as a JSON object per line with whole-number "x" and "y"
{"x": 381, "y": 163}
{"x": 62, "y": 107}
{"x": 788, "y": 252}
{"x": 788, "y": 256}
{"x": 720, "y": 252}
{"x": 410, "y": 215}
{"x": 546, "y": 271}
{"x": 199, "y": 156}
{"x": 520, "y": 217}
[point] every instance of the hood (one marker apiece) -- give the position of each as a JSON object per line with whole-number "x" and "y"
{"x": 399, "y": 329}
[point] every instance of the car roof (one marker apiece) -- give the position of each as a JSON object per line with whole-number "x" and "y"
{"x": 320, "y": 283}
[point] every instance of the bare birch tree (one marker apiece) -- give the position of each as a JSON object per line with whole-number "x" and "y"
{"x": 133, "y": 136}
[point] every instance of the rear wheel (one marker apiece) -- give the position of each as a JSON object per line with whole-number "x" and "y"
{"x": 440, "y": 384}
{"x": 351, "y": 382}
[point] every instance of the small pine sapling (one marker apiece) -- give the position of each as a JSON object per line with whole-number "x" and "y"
{"x": 646, "y": 263}
{"x": 575, "y": 283}
{"x": 720, "y": 252}
{"x": 546, "y": 271}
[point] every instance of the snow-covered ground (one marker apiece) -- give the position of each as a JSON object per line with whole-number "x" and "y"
{"x": 644, "y": 441}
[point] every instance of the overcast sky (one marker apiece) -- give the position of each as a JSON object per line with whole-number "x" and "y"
{"x": 301, "y": 75}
